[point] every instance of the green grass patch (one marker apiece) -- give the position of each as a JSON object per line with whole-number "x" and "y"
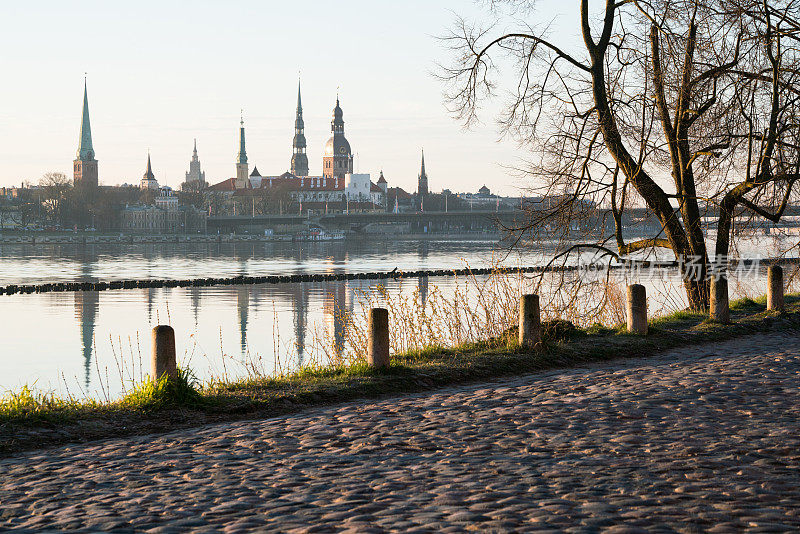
{"x": 31, "y": 405}
{"x": 184, "y": 391}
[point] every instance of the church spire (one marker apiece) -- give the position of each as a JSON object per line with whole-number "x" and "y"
{"x": 422, "y": 184}
{"x": 299, "y": 103}
{"x": 84, "y": 169}
{"x": 242, "y": 158}
{"x": 299, "y": 157}
{"x": 242, "y": 168}
{"x": 194, "y": 152}
{"x": 149, "y": 174}
{"x": 85, "y": 149}
{"x": 337, "y": 124}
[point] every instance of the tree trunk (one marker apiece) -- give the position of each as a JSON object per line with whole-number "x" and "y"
{"x": 697, "y": 292}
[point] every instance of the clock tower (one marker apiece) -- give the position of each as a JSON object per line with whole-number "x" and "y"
{"x": 84, "y": 171}
{"x": 338, "y": 158}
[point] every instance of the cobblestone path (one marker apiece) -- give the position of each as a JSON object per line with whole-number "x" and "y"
{"x": 705, "y": 438}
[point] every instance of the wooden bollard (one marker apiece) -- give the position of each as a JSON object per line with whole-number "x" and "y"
{"x": 163, "y": 361}
{"x": 775, "y": 288}
{"x": 637, "y": 309}
{"x": 530, "y": 322}
{"x": 378, "y": 344}
{"x": 720, "y": 307}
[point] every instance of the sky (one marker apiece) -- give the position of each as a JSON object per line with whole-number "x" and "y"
{"x": 161, "y": 74}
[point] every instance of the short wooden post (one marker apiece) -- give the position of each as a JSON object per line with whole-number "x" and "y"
{"x": 775, "y": 288}
{"x": 163, "y": 361}
{"x": 378, "y": 346}
{"x": 530, "y": 322}
{"x": 720, "y": 309}
{"x": 637, "y": 309}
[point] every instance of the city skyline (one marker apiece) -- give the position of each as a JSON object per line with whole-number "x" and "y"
{"x": 191, "y": 83}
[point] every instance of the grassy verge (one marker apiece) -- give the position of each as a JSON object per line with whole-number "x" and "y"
{"x": 29, "y": 420}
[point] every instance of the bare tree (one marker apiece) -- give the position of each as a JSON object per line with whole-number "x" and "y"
{"x": 55, "y": 188}
{"x": 686, "y": 110}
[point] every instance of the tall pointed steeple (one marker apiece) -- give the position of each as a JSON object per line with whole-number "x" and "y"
{"x": 242, "y": 157}
{"x": 85, "y": 149}
{"x": 85, "y": 165}
{"x": 194, "y": 152}
{"x": 422, "y": 184}
{"x": 148, "y": 178}
{"x": 299, "y": 157}
{"x": 149, "y": 173}
{"x": 299, "y": 102}
{"x": 242, "y": 168}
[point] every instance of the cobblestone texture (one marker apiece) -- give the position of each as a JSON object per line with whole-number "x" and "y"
{"x": 697, "y": 439}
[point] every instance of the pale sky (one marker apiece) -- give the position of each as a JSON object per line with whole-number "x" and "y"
{"x": 163, "y": 73}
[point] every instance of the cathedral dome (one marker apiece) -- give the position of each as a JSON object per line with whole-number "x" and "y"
{"x": 337, "y": 146}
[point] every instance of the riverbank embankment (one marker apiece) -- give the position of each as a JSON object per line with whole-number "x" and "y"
{"x": 156, "y": 239}
{"x": 29, "y": 421}
{"x": 698, "y": 439}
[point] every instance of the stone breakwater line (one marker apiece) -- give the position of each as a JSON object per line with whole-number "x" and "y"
{"x": 275, "y": 279}
{"x": 61, "y": 287}
{"x": 699, "y": 439}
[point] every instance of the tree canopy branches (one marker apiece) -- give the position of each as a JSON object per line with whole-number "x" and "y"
{"x": 671, "y": 102}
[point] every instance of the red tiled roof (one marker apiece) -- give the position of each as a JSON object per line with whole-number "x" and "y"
{"x": 225, "y": 185}
{"x": 399, "y": 193}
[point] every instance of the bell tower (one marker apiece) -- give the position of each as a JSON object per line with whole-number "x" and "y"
{"x": 242, "y": 168}
{"x": 84, "y": 170}
{"x": 338, "y": 158}
{"x": 299, "y": 157}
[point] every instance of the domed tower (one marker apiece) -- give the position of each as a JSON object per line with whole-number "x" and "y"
{"x": 338, "y": 158}
{"x": 299, "y": 157}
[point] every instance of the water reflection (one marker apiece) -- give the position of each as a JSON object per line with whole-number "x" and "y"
{"x": 29, "y": 264}
{"x": 337, "y": 309}
{"x": 300, "y": 297}
{"x": 194, "y": 295}
{"x": 422, "y": 287}
{"x": 87, "y": 306}
{"x": 242, "y": 306}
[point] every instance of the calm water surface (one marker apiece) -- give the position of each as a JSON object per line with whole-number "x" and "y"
{"x": 93, "y": 342}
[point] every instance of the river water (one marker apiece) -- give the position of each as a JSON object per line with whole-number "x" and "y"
{"x": 98, "y": 343}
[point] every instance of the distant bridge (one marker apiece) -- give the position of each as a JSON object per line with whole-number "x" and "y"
{"x": 476, "y": 219}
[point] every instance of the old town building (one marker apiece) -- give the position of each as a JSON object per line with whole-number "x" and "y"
{"x": 338, "y": 189}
